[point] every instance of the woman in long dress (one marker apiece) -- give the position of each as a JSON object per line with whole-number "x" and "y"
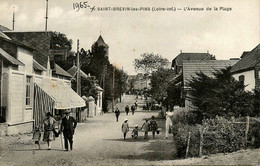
{"x": 48, "y": 127}
{"x": 168, "y": 123}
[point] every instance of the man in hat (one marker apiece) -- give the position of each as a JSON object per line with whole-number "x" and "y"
{"x": 117, "y": 113}
{"x": 125, "y": 128}
{"x": 68, "y": 126}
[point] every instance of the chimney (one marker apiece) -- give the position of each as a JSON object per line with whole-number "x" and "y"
{"x": 48, "y": 72}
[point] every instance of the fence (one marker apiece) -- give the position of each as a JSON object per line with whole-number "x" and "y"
{"x": 202, "y": 133}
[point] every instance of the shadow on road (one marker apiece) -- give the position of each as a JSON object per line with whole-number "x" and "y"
{"x": 139, "y": 139}
{"x": 37, "y": 150}
{"x": 158, "y": 150}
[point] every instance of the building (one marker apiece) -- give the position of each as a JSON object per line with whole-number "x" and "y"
{"x": 177, "y": 62}
{"x": 28, "y": 88}
{"x": 140, "y": 82}
{"x": 42, "y": 41}
{"x": 100, "y": 42}
{"x": 191, "y": 67}
{"x": 94, "y": 107}
{"x": 247, "y": 70}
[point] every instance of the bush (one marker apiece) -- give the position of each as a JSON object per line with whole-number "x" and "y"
{"x": 219, "y": 136}
{"x": 222, "y": 136}
{"x": 180, "y": 135}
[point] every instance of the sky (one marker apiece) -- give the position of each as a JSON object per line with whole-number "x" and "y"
{"x": 225, "y": 34}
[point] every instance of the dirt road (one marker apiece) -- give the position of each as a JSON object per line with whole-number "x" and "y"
{"x": 99, "y": 141}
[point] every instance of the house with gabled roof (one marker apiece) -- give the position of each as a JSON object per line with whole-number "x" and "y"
{"x": 42, "y": 42}
{"x": 247, "y": 70}
{"x": 28, "y": 89}
{"x": 191, "y": 67}
{"x": 177, "y": 62}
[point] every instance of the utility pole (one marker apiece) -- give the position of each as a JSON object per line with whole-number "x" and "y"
{"x": 78, "y": 71}
{"x": 113, "y": 94}
{"x": 46, "y": 15}
{"x": 121, "y": 84}
{"x": 104, "y": 83}
{"x": 13, "y": 17}
{"x": 78, "y": 82}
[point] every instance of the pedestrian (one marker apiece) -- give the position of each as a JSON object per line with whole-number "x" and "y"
{"x": 125, "y": 128}
{"x": 133, "y": 109}
{"x": 168, "y": 123}
{"x": 48, "y": 127}
{"x": 117, "y": 113}
{"x": 37, "y": 136}
{"x": 146, "y": 128}
{"x": 135, "y": 132}
{"x": 136, "y": 105}
{"x": 126, "y": 109}
{"x": 68, "y": 126}
{"x": 153, "y": 126}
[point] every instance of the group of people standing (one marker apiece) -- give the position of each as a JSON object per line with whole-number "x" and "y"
{"x": 147, "y": 126}
{"x": 49, "y": 125}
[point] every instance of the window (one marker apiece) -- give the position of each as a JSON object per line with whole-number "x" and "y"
{"x": 28, "y": 98}
{"x": 241, "y": 79}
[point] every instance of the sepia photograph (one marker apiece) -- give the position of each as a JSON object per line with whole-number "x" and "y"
{"x": 129, "y": 82}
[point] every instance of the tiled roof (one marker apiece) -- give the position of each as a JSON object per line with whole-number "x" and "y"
{"x": 248, "y": 61}
{"x": 10, "y": 58}
{"x": 59, "y": 71}
{"x": 190, "y": 56}
{"x": 39, "y": 40}
{"x": 72, "y": 71}
{"x": 37, "y": 66}
{"x": 191, "y": 67}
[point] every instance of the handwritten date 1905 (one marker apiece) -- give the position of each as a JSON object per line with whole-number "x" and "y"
{"x": 80, "y": 5}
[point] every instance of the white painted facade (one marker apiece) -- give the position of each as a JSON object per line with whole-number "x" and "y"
{"x": 249, "y": 79}
{"x": 19, "y": 113}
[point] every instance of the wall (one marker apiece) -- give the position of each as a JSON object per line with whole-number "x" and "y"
{"x": 26, "y": 58}
{"x": 249, "y": 79}
{"x": 92, "y": 109}
{"x": 20, "y": 117}
{"x": 99, "y": 103}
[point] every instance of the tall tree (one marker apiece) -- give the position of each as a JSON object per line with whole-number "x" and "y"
{"x": 150, "y": 62}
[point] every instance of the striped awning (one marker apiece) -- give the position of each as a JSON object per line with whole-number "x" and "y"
{"x": 63, "y": 96}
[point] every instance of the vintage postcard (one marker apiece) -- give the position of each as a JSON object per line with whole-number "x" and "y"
{"x": 129, "y": 82}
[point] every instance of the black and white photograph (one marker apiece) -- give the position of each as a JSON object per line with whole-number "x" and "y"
{"x": 129, "y": 82}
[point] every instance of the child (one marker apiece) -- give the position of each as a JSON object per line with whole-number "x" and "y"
{"x": 146, "y": 128}
{"x": 37, "y": 136}
{"x": 135, "y": 132}
{"x": 125, "y": 128}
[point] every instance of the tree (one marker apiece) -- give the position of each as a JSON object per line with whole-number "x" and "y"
{"x": 160, "y": 81}
{"x": 60, "y": 41}
{"x": 150, "y": 62}
{"x": 219, "y": 95}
